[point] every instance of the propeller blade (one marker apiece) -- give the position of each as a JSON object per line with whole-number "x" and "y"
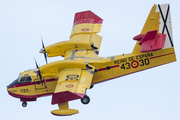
{"x": 40, "y": 77}
{"x": 36, "y": 63}
{"x": 42, "y": 43}
{"x": 38, "y": 72}
{"x": 45, "y": 56}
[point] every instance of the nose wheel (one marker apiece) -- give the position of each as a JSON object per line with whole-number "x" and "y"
{"x": 24, "y": 104}
{"x": 85, "y": 100}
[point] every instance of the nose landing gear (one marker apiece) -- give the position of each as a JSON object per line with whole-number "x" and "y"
{"x": 24, "y": 104}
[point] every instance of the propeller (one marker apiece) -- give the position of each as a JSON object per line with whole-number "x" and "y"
{"x": 43, "y": 51}
{"x": 38, "y": 72}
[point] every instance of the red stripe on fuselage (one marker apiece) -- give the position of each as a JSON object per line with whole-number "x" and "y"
{"x": 28, "y": 96}
{"x": 161, "y": 55}
{"x": 32, "y": 83}
{"x": 101, "y": 69}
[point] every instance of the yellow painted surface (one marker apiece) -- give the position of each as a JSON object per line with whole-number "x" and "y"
{"x": 61, "y": 48}
{"x": 64, "y": 110}
{"x": 52, "y": 69}
{"x": 74, "y": 80}
{"x": 152, "y": 23}
{"x": 86, "y": 28}
{"x": 144, "y": 61}
{"x": 68, "y": 77}
{"x": 72, "y": 73}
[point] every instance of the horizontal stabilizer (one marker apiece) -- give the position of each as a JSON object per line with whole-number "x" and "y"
{"x": 149, "y": 36}
{"x": 151, "y": 41}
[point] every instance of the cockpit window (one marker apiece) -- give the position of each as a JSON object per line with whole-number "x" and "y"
{"x": 20, "y": 80}
{"x": 28, "y": 79}
{"x": 19, "y": 77}
{"x": 25, "y": 79}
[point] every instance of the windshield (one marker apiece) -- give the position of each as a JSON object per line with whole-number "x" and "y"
{"x": 19, "y": 77}
{"x": 20, "y": 80}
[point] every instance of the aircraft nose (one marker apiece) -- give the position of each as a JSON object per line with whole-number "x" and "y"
{"x": 15, "y": 82}
{"x": 11, "y": 89}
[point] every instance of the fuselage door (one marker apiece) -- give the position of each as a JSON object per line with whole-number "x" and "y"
{"x": 39, "y": 85}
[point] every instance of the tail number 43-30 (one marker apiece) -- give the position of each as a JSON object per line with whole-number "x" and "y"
{"x": 135, "y": 64}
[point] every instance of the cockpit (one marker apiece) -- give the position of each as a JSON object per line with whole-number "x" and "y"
{"x": 20, "y": 80}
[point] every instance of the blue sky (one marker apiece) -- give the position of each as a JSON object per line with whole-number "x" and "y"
{"x": 150, "y": 94}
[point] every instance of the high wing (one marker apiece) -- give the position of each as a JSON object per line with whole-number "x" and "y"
{"x": 83, "y": 37}
{"x": 72, "y": 84}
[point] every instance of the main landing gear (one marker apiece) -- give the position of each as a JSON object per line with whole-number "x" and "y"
{"x": 85, "y": 100}
{"x": 24, "y": 104}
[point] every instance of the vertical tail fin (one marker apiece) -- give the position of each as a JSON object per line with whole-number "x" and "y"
{"x": 157, "y": 31}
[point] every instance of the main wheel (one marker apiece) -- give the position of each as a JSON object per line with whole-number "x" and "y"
{"x": 24, "y": 104}
{"x": 85, "y": 100}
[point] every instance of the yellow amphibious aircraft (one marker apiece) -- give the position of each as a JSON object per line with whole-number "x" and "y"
{"x": 81, "y": 68}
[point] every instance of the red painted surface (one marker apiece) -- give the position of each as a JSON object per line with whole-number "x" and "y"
{"x": 151, "y": 41}
{"x": 69, "y": 85}
{"x": 160, "y": 41}
{"x": 151, "y": 35}
{"x": 32, "y": 83}
{"x": 27, "y": 99}
{"x": 114, "y": 66}
{"x": 28, "y": 96}
{"x": 79, "y": 94}
{"x": 65, "y": 97}
{"x": 85, "y": 29}
{"x": 138, "y": 37}
{"x": 136, "y": 64}
{"x": 101, "y": 69}
{"x": 86, "y": 17}
{"x": 161, "y": 55}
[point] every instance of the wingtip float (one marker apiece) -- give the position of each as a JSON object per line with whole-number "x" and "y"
{"x": 81, "y": 68}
